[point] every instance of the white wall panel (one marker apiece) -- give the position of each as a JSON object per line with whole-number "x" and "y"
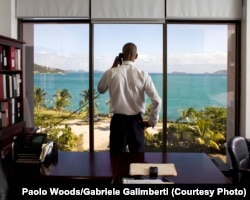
{"x": 245, "y": 71}
{"x": 8, "y": 22}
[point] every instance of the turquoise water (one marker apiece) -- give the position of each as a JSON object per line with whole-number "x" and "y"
{"x": 183, "y": 90}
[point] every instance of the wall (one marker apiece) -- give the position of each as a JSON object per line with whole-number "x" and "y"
{"x": 8, "y": 21}
{"x": 245, "y": 71}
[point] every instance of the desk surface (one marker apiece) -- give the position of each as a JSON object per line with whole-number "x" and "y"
{"x": 192, "y": 168}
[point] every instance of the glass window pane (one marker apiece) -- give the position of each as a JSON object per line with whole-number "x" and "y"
{"x": 200, "y": 86}
{"x": 109, "y": 40}
{"x": 61, "y": 75}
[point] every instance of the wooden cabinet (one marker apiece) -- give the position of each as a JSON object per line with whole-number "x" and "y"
{"x": 11, "y": 90}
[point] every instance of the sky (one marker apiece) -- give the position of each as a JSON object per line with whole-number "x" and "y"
{"x": 190, "y": 48}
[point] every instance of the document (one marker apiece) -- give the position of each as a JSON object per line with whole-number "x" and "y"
{"x": 164, "y": 169}
{"x": 46, "y": 150}
{"x": 144, "y": 181}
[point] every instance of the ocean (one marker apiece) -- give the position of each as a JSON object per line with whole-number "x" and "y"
{"x": 183, "y": 90}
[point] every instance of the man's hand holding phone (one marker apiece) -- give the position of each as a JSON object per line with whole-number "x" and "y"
{"x": 118, "y": 60}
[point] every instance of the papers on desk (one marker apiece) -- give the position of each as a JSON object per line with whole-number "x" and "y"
{"x": 144, "y": 181}
{"x": 164, "y": 169}
{"x": 46, "y": 150}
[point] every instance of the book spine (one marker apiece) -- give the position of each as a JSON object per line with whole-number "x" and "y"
{"x": 1, "y": 87}
{"x": 11, "y": 59}
{"x": 1, "y": 57}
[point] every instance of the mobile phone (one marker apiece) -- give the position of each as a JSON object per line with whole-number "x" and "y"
{"x": 120, "y": 57}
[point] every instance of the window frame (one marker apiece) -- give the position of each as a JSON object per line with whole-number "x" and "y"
{"x": 237, "y": 24}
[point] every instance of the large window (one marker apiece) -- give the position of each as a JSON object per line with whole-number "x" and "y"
{"x": 200, "y": 86}
{"x": 197, "y": 82}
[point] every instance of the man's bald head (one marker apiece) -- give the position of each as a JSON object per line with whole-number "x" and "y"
{"x": 129, "y": 51}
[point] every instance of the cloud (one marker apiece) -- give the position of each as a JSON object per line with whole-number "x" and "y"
{"x": 198, "y": 63}
{"x": 65, "y": 62}
{"x": 202, "y": 59}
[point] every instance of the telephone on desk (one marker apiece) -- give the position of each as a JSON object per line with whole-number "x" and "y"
{"x": 31, "y": 148}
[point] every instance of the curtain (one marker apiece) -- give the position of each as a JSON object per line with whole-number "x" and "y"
{"x": 204, "y": 9}
{"x": 130, "y": 10}
{"x": 52, "y": 9}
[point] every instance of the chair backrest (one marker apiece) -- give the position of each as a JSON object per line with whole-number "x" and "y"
{"x": 239, "y": 154}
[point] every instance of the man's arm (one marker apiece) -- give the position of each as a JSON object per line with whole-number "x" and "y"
{"x": 155, "y": 102}
{"x": 103, "y": 83}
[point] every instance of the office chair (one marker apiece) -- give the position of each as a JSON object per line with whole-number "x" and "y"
{"x": 239, "y": 154}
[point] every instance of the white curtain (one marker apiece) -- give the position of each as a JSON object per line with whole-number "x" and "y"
{"x": 52, "y": 8}
{"x": 128, "y": 10}
{"x": 204, "y": 9}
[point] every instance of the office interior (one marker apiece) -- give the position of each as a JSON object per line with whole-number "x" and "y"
{"x": 14, "y": 12}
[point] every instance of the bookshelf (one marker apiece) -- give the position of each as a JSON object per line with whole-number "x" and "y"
{"x": 11, "y": 91}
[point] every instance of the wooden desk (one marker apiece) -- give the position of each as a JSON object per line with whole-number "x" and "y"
{"x": 192, "y": 168}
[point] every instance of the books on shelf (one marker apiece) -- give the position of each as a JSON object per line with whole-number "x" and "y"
{"x": 10, "y": 58}
{"x": 10, "y": 85}
{"x": 10, "y": 112}
{"x": 11, "y": 93}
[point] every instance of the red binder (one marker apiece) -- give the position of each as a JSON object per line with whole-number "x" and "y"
{"x": 11, "y": 58}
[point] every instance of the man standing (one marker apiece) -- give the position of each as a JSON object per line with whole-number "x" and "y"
{"x": 127, "y": 86}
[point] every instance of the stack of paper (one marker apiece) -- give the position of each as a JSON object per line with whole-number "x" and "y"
{"x": 46, "y": 150}
{"x": 144, "y": 181}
